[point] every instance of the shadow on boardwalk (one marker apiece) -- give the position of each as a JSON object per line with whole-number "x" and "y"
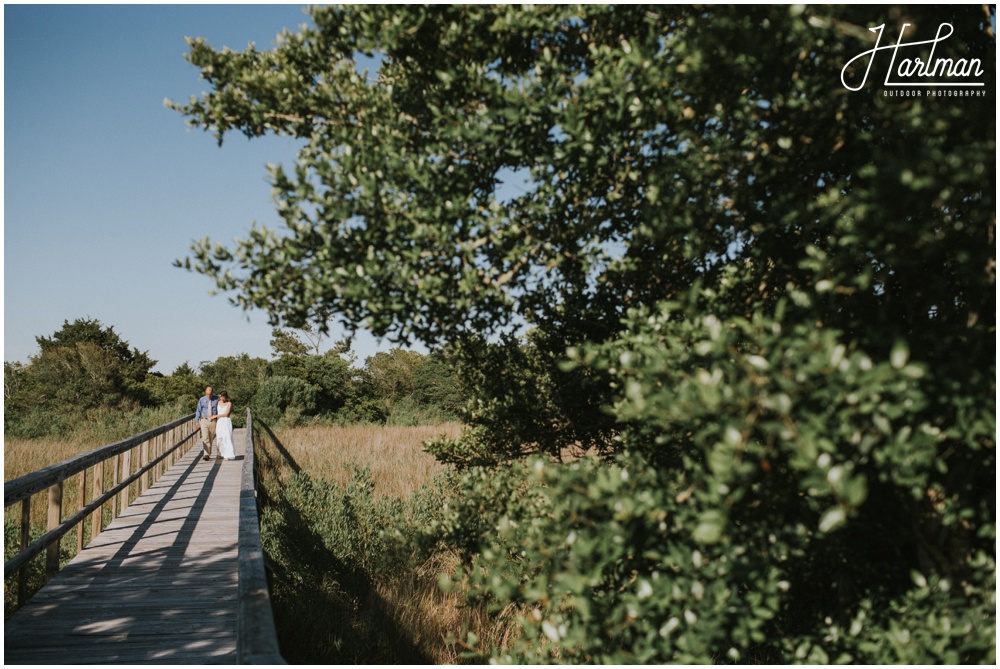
{"x": 158, "y": 585}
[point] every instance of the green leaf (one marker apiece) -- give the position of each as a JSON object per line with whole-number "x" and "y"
{"x": 832, "y": 519}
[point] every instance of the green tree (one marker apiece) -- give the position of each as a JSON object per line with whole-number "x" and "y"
{"x": 133, "y": 363}
{"x": 383, "y": 388}
{"x": 392, "y": 375}
{"x": 283, "y": 398}
{"x": 438, "y": 387}
{"x": 83, "y": 372}
{"x": 182, "y": 388}
{"x": 284, "y": 342}
{"x": 15, "y": 379}
{"x": 329, "y": 373}
{"x": 768, "y": 300}
{"x": 407, "y": 387}
{"x": 68, "y": 384}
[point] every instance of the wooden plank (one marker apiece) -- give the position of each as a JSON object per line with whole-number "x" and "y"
{"x": 160, "y": 583}
{"x": 138, "y": 612}
{"x": 192, "y": 653}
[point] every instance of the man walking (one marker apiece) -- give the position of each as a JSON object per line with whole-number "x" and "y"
{"x": 207, "y": 407}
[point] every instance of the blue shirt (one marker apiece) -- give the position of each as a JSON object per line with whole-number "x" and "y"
{"x": 203, "y": 410}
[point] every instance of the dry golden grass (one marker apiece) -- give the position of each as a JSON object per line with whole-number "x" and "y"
{"x": 23, "y": 456}
{"x": 395, "y": 455}
{"x": 432, "y": 617}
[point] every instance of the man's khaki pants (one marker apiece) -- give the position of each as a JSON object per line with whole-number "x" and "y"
{"x": 207, "y": 435}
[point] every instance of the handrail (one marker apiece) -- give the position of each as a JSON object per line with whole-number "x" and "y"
{"x": 256, "y": 639}
{"x": 52, "y": 478}
{"x": 26, "y": 486}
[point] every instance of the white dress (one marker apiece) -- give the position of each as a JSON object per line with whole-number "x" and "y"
{"x": 224, "y": 432}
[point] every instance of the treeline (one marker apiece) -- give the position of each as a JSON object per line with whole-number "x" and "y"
{"x": 86, "y": 374}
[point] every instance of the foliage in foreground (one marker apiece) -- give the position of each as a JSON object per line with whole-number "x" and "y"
{"x": 767, "y": 301}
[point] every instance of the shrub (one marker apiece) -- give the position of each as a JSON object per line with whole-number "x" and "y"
{"x": 279, "y": 394}
{"x": 349, "y": 585}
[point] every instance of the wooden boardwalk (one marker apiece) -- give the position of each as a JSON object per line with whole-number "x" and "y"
{"x": 159, "y": 585}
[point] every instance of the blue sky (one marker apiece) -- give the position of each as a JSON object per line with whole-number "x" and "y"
{"x": 104, "y": 187}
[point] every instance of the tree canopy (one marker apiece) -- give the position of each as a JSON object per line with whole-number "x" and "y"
{"x": 84, "y": 369}
{"x": 670, "y": 234}
{"x": 135, "y": 364}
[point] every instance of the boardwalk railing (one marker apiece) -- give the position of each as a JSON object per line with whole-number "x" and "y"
{"x": 149, "y": 454}
{"x": 109, "y": 472}
{"x": 256, "y": 640}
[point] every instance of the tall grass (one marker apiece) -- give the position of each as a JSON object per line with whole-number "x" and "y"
{"x": 395, "y": 455}
{"x": 23, "y": 456}
{"x": 341, "y": 509}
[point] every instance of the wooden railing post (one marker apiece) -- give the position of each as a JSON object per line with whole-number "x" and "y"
{"x": 82, "y": 503}
{"x": 140, "y": 485}
{"x": 116, "y": 463}
{"x": 55, "y": 518}
{"x": 22, "y": 577}
{"x": 128, "y": 457}
{"x": 126, "y": 467}
{"x": 98, "y": 518}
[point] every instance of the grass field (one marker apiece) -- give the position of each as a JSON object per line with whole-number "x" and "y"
{"x": 23, "y": 456}
{"x": 395, "y": 455}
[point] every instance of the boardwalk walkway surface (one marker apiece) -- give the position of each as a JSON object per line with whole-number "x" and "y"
{"x": 159, "y": 585}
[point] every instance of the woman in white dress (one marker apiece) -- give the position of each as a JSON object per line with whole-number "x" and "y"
{"x": 224, "y": 428}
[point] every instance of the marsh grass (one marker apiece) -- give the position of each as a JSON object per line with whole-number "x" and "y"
{"x": 395, "y": 455}
{"x": 23, "y": 456}
{"x": 348, "y": 587}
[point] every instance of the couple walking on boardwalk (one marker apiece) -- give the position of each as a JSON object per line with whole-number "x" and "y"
{"x": 212, "y": 416}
